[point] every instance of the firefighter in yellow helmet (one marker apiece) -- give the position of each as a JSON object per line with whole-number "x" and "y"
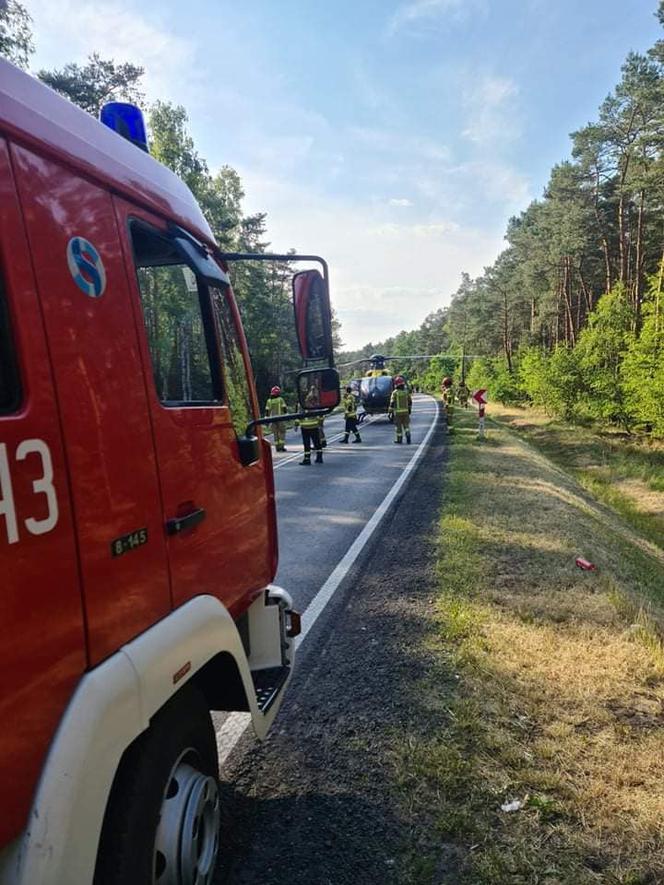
{"x": 276, "y": 405}
{"x": 350, "y": 414}
{"x": 401, "y": 404}
{"x": 310, "y": 429}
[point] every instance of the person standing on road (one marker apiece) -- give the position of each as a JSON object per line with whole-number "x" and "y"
{"x": 401, "y": 404}
{"x": 463, "y": 395}
{"x": 310, "y": 429}
{"x": 447, "y": 390}
{"x": 350, "y": 414}
{"x": 276, "y": 405}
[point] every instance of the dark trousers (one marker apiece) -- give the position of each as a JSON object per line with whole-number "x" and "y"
{"x": 351, "y": 424}
{"x": 311, "y": 439}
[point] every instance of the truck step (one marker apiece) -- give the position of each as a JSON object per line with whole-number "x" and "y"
{"x": 267, "y": 684}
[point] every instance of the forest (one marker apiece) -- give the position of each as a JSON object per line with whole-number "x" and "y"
{"x": 262, "y": 289}
{"x": 570, "y": 315}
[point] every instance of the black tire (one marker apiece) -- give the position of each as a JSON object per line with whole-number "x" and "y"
{"x": 182, "y": 730}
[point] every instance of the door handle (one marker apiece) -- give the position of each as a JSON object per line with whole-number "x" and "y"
{"x": 180, "y": 523}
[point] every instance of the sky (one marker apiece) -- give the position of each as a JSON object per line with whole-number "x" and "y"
{"x": 394, "y": 137}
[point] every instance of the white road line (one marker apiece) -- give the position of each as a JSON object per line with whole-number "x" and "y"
{"x": 236, "y": 724}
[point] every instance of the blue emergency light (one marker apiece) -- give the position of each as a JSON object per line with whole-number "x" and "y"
{"x": 127, "y": 120}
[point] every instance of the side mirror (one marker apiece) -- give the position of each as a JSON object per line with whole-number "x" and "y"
{"x": 313, "y": 316}
{"x": 249, "y": 449}
{"x": 318, "y": 389}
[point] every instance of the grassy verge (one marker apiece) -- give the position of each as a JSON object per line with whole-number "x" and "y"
{"x": 547, "y": 683}
{"x": 626, "y": 472}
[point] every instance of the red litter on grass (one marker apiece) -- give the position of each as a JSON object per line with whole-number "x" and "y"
{"x": 585, "y": 565}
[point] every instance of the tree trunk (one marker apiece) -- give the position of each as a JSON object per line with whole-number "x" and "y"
{"x": 507, "y": 344}
{"x": 604, "y": 238}
{"x": 639, "y": 261}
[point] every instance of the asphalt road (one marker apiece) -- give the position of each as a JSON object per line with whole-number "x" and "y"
{"x": 324, "y": 507}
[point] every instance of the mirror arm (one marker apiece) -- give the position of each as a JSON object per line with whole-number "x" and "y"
{"x": 272, "y": 256}
{"x": 295, "y": 416}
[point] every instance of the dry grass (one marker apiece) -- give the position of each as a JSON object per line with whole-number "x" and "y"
{"x": 548, "y": 681}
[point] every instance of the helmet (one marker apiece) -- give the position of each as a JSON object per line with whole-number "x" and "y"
{"x": 349, "y": 389}
{"x": 447, "y": 382}
{"x": 276, "y": 391}
{"x": 399, "y": 381}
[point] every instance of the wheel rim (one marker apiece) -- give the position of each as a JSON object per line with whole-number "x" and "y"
{"x": 187, "y": 837}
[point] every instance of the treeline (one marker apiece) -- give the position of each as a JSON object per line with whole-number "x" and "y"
{"x": 262, "y": 289}
{"x": 569, "y": 317}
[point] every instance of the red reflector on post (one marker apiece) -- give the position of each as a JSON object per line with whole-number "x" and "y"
{"x": 585, "y": 565}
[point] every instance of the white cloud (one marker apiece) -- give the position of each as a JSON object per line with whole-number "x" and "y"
{"x": 384, "y": 277}
{"x": 402, "y": 143}
{"x": 416, "y": 231}
{"x": 491, "y": 112}
{"x": 423, "y": 15}
{"x": 401, "y": 202}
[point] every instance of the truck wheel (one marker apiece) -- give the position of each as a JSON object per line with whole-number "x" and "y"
{"x": 162, "y": 821}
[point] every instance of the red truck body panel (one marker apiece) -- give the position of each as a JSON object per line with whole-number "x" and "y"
{"x": 42, "y": 652}
{"x": 120, "y": 461}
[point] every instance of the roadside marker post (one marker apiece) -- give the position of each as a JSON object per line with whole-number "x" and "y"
{"x": 480, "y": 398}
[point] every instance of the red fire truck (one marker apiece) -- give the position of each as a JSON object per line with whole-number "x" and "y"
{"x": 138, "y": 538}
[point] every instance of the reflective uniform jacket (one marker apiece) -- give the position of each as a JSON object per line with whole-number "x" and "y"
{"x": 276, "y": 405}
{"x": 350, "y": 406}
{"x": 400, "y": 401}
{"x": 310, "y": 421}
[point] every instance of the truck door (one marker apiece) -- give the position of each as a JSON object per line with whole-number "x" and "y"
{"x": 83, "y": 289}
{"x": 42, "y": 649}
{"x": 215, "y": 509}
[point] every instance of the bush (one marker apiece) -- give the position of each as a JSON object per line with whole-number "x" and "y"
{"x": 493, "y": 374}
{"x": 552, "y": 380}
{"x": 642, "y": 370}
{"x": 602, "y": 347}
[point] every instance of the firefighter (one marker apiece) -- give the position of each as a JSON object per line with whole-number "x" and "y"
{"x": 276, "y": 405}
{"x": 310, "y": 429}
{"x": 447, "y": 389}
{"x": 350, "y": 414}
{"x": 401, "y": 404}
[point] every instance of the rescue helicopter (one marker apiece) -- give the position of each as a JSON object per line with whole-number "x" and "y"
{"x": 375, "y": 387}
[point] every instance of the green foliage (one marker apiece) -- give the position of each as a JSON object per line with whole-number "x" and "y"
{"x": 642, "y": 370}
{"x": 100, "y": 80}
{"x": 493, "y": 374}
{"x": 552, "y": 380}
{"x": 16, "y": 33}
{"x": 602, "y": 346}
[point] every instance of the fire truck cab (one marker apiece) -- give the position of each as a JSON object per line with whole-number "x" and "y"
{"x": 138, "y": 537}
